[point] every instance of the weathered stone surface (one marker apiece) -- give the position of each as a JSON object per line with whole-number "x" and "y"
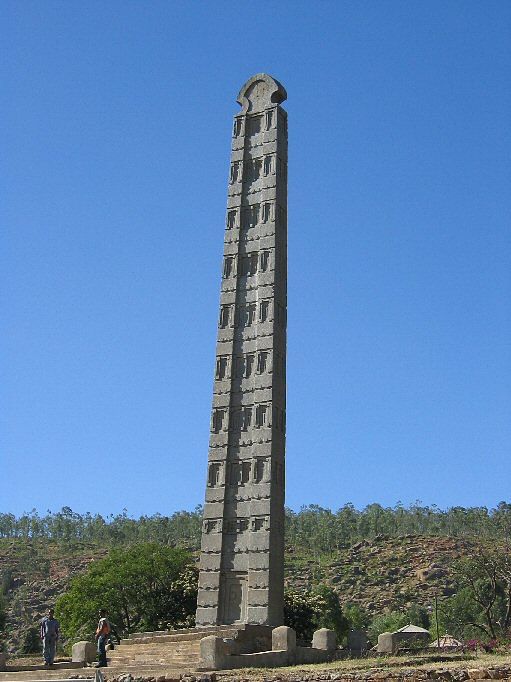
{"x": 357, "y": 640}
{"x": 83, "y": 652}
{"x": 324, "y": 639}
{"x": 283, "y": 638}
{"x": 386, "y": 643}
{"x": 243, "y": 526}
{"x": 214, "y": 652}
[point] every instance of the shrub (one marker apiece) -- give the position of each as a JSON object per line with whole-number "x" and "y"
{"x": 30, "y": 641}
{"x": 306, "y": 612}
{"x": 144, "y": 587}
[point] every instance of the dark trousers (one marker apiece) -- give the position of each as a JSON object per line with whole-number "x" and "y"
{"x": 49, "y": 647}
{"x": 102, "y": 650}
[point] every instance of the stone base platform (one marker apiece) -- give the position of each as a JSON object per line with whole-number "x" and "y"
{"x": 181, "y": 648}
{"x": 168, "y": 653}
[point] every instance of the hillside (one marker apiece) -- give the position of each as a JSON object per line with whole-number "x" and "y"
{"x": 381, "y": 574}
{"x": 384, "y": 574}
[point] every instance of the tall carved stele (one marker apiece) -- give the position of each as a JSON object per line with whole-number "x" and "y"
{"x": 242, "y": 556}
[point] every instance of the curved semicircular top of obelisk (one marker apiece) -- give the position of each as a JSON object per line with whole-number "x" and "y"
{"x": 260, "y": 92}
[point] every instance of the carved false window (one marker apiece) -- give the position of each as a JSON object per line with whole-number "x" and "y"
{"x": 254, "y": 125}
{"x": 214, "y": 474}
{"x": 249, "y": 315}
{"x": 249, "y": 264}
{"x": 234, "y": 473}
{"x": 266, "y": 212}
{"x": 264, "y": 307}
{"x": 261, "y": 415}
{"x": 262, "y": 361}
{"x": 269, "y": 164}
{"x": 249, "y": 364}
{"x": 253, "y": 170}
{"x": 264, "y": 260}
{"x": 247, "y": 418}
{"x": 238, "y": 126}
{"x": 253, "y": 263}
{"x": 258, "y": 523}
{"x": 231, "y": 218}
{"x": 222, "y": 363}
{"x": 236, "y": 420}
{"x": 225, "y": 316}
{"x": 242, "y": 525}
{"x": 259, "y": 470}
{"x": 228, "y": 266}
{"x": 210, "y": 525}
{"x": 245, "y": 472}
{"x": 235, "y": 172}
{"x": 250, "y": 216}
{"x": 218, "y": 420}
{"x": 269, "y": 120}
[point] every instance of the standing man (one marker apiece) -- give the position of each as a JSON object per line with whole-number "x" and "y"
{"x": 50, "y": 629}
{"x": 102, "y": 635}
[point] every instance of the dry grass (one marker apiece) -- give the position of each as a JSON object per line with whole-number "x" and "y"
{"x": 368, "y": 665}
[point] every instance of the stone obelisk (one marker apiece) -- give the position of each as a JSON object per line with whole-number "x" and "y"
{"x": 242, "y": 555}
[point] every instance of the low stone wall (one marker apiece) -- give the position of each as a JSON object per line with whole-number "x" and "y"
{"x": 218, "y": 653}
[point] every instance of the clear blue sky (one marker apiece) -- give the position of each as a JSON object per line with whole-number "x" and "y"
{"x": 116, "y": 121}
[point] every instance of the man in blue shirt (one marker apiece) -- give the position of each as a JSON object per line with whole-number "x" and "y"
{"x": 50, "y": 629}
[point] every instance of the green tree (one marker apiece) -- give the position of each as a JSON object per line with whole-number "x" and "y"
{"x": 30, "y": 641}
{"x": 386, "y": 622}
{"x": 457, "y": 615}
{"x": 3, "y": 612}
{"x": 485, "y": 579}
{"x": 306, "y": 612}
{"x": 144, "y": 587}
{"x": 357, "y": 617}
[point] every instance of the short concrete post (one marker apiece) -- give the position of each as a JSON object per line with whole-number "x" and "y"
{"x": 324, "y": 639}
{"x": 3, "y": 661}
{"x": 283, "y": 639}
{"x": 83, "y": 652}
{"x": 386, "y": 643}
{"x": 214, "y": 653}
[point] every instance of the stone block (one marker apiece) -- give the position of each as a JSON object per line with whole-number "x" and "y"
{"x": 207, "y": 598}
{"x": 283, "y": 638}
{"x": 257, "y": 615}
{"x": 83, "y": 652}
{"x": 357, "y": 640}
{"x": 324, "y": 639}
{"x": 208, "y": 615}
{"x": 258, "y": 597}
{"x": 259, "y": 561}
{"x": 3, "y": 659}
{"x": 209, "y": 580}
{"x": 386, "y": 643}
{"x": 214, "y": 653}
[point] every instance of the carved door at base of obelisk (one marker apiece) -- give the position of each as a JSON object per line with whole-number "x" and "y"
{"x": 233, "y": 597}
